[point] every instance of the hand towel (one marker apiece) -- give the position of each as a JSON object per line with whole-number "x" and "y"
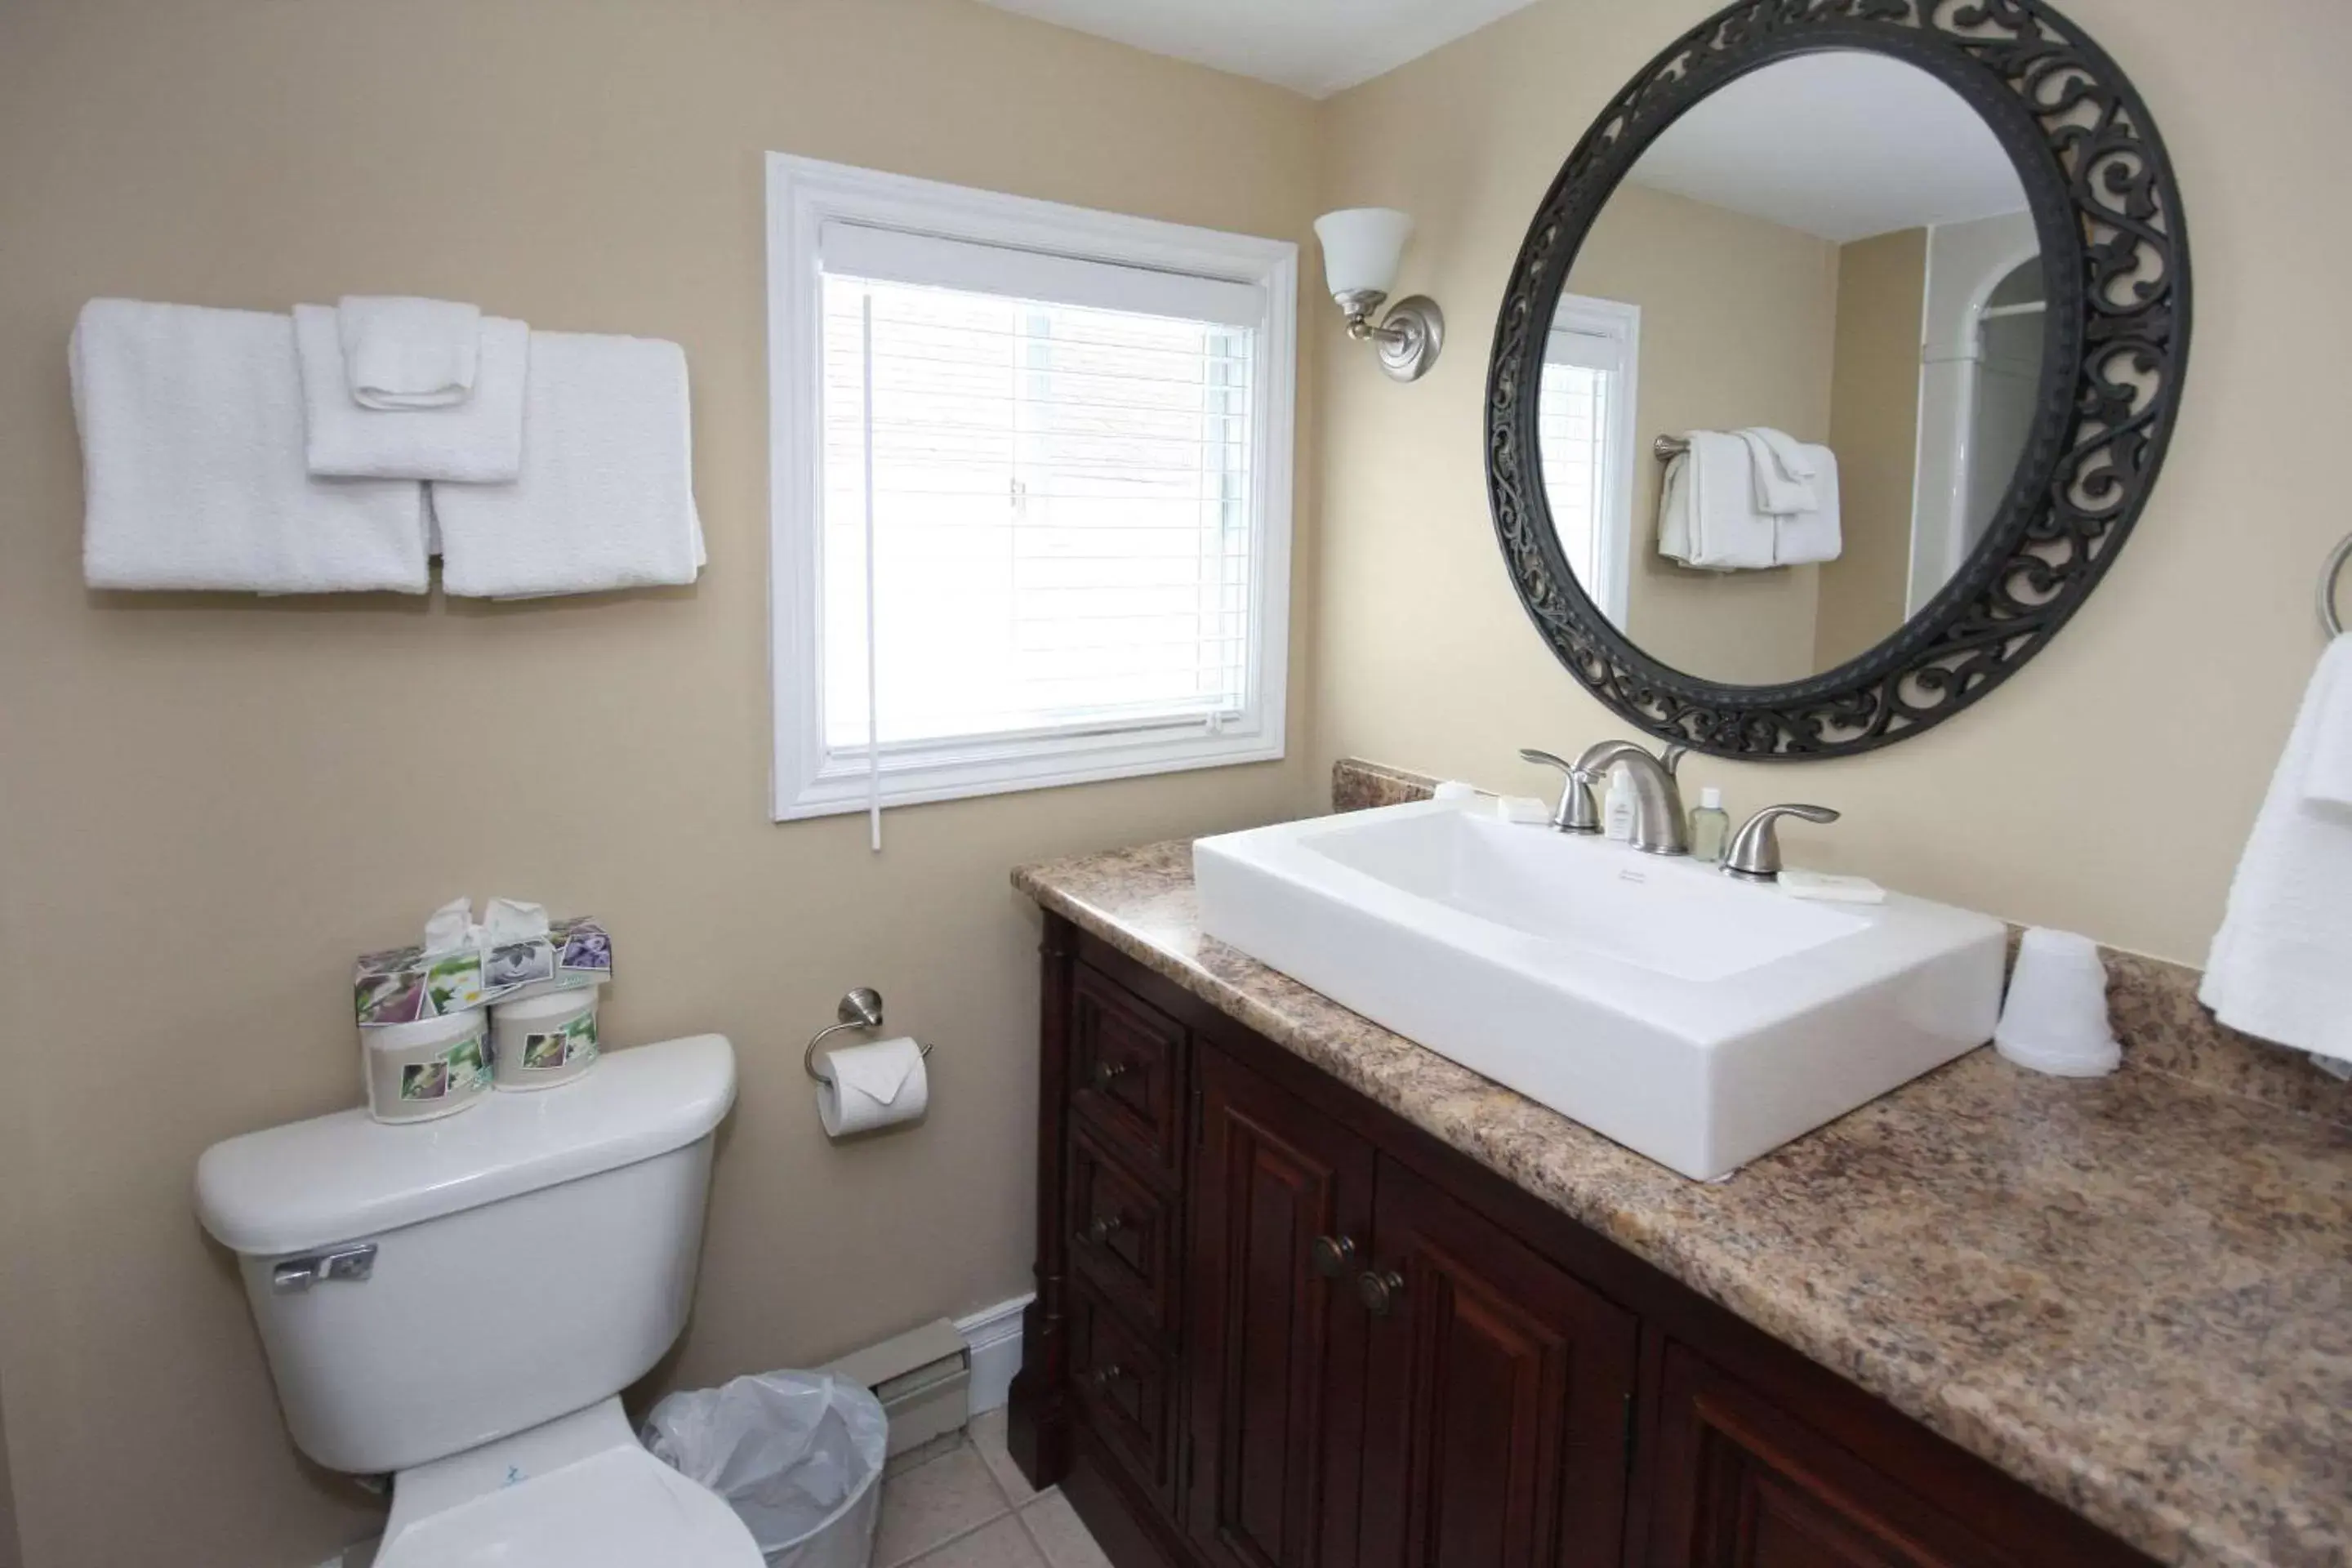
{"x": 1801, "y": 537}
{"x": 192, "y": 463}
{"x": 1706, "y": 510}
{"x": 606, "y": 496}
{"x": 1780, "y": 469}
{"x": 2278, "y": 966}
{"x": 478, "y": 441}
{"x": 2327, "y": 782}
{"x": 400, "y": 353}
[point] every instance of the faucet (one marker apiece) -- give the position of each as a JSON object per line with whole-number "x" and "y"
{"x": 1755, "y": 852}
{"x": 1659, "y": 827}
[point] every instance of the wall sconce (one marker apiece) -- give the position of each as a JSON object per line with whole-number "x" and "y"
{"x": 1361, "y": 248}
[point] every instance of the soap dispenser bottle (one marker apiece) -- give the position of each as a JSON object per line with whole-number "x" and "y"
{"x": 1710, "y": 827}
{"x": 1617, "y": 808}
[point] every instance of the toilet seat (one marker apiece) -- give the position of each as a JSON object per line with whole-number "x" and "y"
{"x": 577, "y": 1493}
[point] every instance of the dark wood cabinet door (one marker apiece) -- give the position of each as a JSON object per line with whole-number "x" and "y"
{"x": 1277, "y": 1347}
{"x": 1741, "y": 1482}
{"x": 1495, "y": 1422}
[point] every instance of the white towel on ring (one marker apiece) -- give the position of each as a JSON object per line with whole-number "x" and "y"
{"x": 192, "y": 463}
{"x": 2278, "y": 966}
{"x": 606, "y": 496}
{"x": 404, "y": 353}
{"x": 478, "y": 441}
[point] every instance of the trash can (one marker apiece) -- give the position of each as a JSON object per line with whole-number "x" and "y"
{"x": 797, "y": 1455}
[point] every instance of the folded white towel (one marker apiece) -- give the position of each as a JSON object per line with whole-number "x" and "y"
{"x": 1706, "y": 512}
{"x": 1801, "y": 537}
{"x": 606, "y": 496}
{"x": 1781, "y": 468}
{"x": 403, "y": 352}
{"x": 2278, "y": 966}
{"x": 478, "y": 441}
{"x": 192, "y": 463}
{"x": 2327, "y": 782}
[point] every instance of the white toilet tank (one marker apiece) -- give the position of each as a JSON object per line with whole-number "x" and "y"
{"x": 532, "y": 1256}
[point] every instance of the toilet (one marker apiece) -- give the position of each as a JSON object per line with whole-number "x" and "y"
{"x": 457, "y": 1305}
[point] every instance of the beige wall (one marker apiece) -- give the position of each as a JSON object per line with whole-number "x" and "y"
{"x": 1874, "y": 431}
{"x": 2061, "y": 799}
{"x": 10, "y": 1556}
{"x": 1738, "y": 318}
{"x": 212, "y": 802}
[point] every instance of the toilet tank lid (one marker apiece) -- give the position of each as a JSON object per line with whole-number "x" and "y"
{"x": 346, "y": 1176}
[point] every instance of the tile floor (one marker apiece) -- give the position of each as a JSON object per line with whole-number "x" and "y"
{"x": 960, "y": 1502}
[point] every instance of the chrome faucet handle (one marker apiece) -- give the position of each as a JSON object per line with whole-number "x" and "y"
{"x": 1755, "y": 852}
{"x": 1577, "y": 813}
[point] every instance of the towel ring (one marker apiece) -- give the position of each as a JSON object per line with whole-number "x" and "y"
{"x": 2328, "y": 576}
{"x": 860, "y": 1009}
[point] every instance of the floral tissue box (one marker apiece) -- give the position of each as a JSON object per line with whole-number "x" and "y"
{"x": 407, "y": 984}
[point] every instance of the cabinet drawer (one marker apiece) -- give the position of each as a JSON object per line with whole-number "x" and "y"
{"x": 1122, "y": 1236}
{"x": 1126, "y": 1062}
{"x": 1123, "y": 1383}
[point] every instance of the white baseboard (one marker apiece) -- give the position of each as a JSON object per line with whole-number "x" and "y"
{"x": 994, "y": 1335}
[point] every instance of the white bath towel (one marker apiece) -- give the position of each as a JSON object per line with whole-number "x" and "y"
{"x": 2279, "y": 965}
{"x": 606, "y": 496}
{"x": 1803, "y": 537}
{"x": 1781, "y": 468}
{"x": 192, "y": 463}
{"x": 478, "y": 441}
{"x": 404, "y": 353}
{"x": 1706, "y": 509}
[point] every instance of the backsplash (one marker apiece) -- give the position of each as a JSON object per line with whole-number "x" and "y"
{"x": 2153, "y": 1002}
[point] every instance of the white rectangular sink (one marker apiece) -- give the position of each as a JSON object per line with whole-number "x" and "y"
{"x": 1698, "y": 1019}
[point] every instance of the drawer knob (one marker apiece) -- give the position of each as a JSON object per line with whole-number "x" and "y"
{"x": 1107, "y": 1072}
{"x": 1378, "y": 1291}
{"x": 1100, "y": 1228}
{"x": 1332, "y": 1255}
{"x": 1104, "y": 1376}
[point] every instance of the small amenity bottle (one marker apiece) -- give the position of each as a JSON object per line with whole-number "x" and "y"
{"x": 1709, "y": 827}
{"x": 1617, "y": 808}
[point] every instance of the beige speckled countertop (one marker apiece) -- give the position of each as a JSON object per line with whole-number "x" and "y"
{"x": 2133, "y": 1294}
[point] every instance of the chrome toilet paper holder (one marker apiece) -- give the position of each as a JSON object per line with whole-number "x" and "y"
{"x": 860, "y": 1009}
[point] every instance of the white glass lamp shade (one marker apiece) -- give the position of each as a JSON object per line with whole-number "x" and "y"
{"x": 1362, "y": 247}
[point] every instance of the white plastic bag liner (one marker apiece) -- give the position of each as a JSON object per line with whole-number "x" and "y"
{"x": 797, "y": 1455}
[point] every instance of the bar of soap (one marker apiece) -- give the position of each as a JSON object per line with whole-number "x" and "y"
{"x": 1834, "y": 890}
{"x": 1523, "y": 808}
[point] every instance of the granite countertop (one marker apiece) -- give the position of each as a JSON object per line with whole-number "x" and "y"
{"x": 2134, "y": 1293}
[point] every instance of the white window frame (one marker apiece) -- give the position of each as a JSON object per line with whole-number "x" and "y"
{"x": 803, "y": 194}
{"x": 1619, "y": 323}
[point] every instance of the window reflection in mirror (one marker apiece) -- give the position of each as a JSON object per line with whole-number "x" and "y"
{"x": 1834, "y": 248}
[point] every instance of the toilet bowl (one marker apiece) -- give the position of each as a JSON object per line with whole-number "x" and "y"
{"x": 458, "y": 1304}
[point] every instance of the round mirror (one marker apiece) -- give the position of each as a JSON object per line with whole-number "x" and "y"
{"x": 1838, "y": 361}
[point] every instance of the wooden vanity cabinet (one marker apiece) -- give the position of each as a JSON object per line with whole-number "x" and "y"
{"x": 1278, "y": 1326}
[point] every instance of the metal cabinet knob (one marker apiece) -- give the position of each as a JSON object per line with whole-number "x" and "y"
{"x": 1331, "y": 1256}
{"x": 1378, "y": 1291}
{"x": 1104, "y": 1376}
{"x": 1106, "y": 1072}
{"x": 1100, "y": 1228}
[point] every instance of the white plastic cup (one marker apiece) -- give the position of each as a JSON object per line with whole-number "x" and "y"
{"x": 545, "y": 1040}
{"x": 2055, "y": 1018}
{"x": 424, "y": 1070}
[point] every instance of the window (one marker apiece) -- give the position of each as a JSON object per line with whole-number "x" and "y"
{"x": 1584, "y": 429}
{"x": 1030, "y": 491}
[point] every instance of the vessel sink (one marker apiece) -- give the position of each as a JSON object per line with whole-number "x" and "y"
{"x": 1693, "y": 1017}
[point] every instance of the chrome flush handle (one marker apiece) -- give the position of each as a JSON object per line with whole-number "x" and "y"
{"x": 356, "y": 1264}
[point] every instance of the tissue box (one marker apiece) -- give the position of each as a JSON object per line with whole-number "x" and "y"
{"x": 405, "y": 984}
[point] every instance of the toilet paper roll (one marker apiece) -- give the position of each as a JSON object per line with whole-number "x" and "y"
{"x": 430, "y": 1069}
{"x": 880, "y": 1085}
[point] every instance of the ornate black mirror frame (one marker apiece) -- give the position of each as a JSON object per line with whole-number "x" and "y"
{"x": 2114, "y": 260}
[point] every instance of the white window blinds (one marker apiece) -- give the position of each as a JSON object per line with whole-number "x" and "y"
{"x": 1060, "y": 507}
{"x": 1030, "y": 491}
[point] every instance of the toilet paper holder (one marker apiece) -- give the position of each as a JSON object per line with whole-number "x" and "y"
{"x": 860, "y": 1009}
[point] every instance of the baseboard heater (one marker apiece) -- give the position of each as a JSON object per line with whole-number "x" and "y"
{"x": 923, "y": 1378}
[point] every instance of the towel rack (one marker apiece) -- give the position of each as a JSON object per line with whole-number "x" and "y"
{"x": 1666, "y": 448}
{"x": 2327, "y": 579}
